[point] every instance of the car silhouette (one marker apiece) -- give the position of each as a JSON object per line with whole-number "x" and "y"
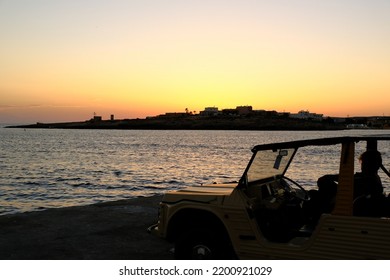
{"x": 268, "y": 215}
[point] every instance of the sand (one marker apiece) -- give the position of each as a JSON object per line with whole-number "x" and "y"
{"x": 105, "y": 231}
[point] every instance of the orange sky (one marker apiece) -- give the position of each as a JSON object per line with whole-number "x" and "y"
{"x": 65, "y": 60}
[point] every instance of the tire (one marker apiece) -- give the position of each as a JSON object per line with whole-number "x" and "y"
{"x": 203, "y": 244}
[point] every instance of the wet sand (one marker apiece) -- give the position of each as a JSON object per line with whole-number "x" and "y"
{"x": 104, "y": 231}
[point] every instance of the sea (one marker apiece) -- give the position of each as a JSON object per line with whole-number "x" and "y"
{"x": 51, "y": 168}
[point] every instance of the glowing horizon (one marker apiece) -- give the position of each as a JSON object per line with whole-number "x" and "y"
{"x": 65, "y": 60}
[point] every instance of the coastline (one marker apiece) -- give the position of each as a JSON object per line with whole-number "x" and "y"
{"x": 104, "y": 231}
{"x": 196, "y": 123}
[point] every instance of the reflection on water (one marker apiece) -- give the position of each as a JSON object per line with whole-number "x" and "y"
{"x": 55, "y": 168}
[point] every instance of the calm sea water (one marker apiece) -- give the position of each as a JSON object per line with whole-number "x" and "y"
{"x": 42, "y": 169}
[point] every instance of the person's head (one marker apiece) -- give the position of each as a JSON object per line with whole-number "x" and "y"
{"x": 371, "y": 161}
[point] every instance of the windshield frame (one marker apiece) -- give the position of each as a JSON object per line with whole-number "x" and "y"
{"x": 279, "y": 164}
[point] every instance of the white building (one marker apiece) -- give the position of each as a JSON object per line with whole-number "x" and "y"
{"x": 306, "y": 115}
{"x": 209, "y": 111}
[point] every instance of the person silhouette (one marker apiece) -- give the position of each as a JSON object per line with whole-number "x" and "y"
{"x": 367, "y": 185}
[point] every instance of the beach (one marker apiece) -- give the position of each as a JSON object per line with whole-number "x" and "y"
{"x": 105, "y": 231}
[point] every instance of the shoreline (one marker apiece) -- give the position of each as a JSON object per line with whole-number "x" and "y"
{"x": 195, "y": 123}
{"x": 114, "y": 230}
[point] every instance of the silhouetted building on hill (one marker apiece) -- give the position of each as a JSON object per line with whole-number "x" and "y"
{"x": 244, "y": 110}
{"x": 96, "y": 119}
{"x": 210, "y": 111}
{"x": 306, "y": 115}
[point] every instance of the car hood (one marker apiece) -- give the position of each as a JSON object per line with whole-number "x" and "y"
{"x": 203, "y": 192}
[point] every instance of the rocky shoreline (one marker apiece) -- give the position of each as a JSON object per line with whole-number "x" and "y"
{"x": 104, "y": 231}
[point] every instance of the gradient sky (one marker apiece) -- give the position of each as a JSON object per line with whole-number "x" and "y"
{"x": 64, "y": 60}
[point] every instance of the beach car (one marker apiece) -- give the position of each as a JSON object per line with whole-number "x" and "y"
{"x": 268, "y": 215}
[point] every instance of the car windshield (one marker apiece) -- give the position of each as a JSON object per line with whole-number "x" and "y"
{"x": 268, "y": 163}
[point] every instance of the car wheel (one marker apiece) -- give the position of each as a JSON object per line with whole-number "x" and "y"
{"x": 202, "y": 244}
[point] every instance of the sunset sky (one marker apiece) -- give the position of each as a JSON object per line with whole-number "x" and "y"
{"x": 64, "y": 60}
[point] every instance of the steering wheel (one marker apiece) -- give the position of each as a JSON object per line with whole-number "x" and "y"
{"x": 305, "y": 197}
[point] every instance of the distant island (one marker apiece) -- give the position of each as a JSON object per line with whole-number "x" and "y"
{"x": 241, "y": 118}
